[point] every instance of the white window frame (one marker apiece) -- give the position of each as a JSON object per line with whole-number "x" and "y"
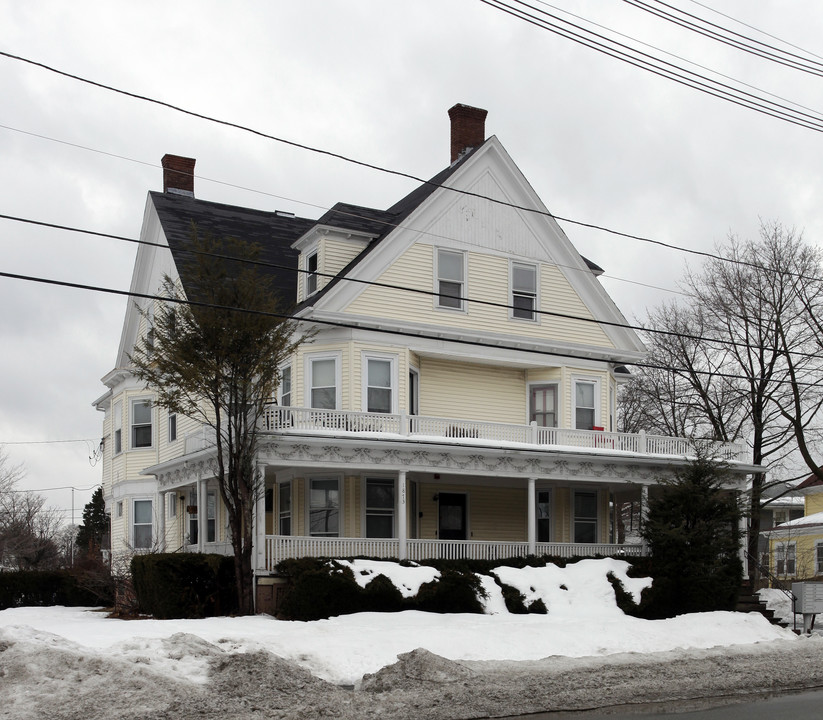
{"x": 211, "y": 516}
{"x": 133, "y": 524}
{"x": 596, "y": 518}
{"x": 413, "y": 391}
{"x": 463, "y": 291}
{"x": 338, "y": 361}
{"x": 311, "y": 278}
{"x": 281, "y": 513}
{"x": 530, "y": 388}
{"x": 781, "y": 555}
{"x": 285, "y": 371}
{"x": 537, "y": 492}
{"x": 172, "y": 420}
{"x": 171, "y": 504}
{"x": 133, "y": 426}
{"x": 119, "y": 509}
{"x": 309, "y": 481}
{"x": 393, "y": 379}
{"x": 597, "y": 400}
{"x": 515, "y": 292}
{"x": 381, "y": 512}
{"x": 117, "y": 427}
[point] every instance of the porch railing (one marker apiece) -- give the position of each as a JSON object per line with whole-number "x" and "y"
{"x": 281, "y": 547}
{"x": 293, "y": 419}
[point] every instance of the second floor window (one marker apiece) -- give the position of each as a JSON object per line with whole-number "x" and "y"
{"x": 378, "y": 379}
{"x": 117, "y": 422}
{"x": 285, "y": 386}
{"x": 584, "y": 408}
{"x": 323, "y": 384}
{"x": 450, "y": 279}
{"x": 543, "y": 409}
{"x": 141, "y": 424}
{"x": 172, "y": 427}
{"x": 524, "y": 291}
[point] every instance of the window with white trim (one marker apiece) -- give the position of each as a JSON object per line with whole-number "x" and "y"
{"x": 284, "y": 508}
{"x": 311, "y": 275}
{"x": 543, "y": 405}
{"x": 171, "y": 504}
{"x": 211, "y": 516}
{"x": 117, "y": 425}
{"x": 585, "y": 408}
{"x": 323, "y": 383}
{"x": 524, "y": 290}
{"x": 785, "y": 559}
{"x": 285, "y": 386}
{"x": 818, "y": 558}
{"x": 324, "y": 507}
{"x": 119, "y": 509}
{"x": 141, "y": 432}
{"x": 141, "y": 524}
{"x": 543, "y": 507}
{"x": 379, "y": 507}
{"x": 172, "y": 427}
{"x": 585, "y": 516}
{"x": 379, "y": 385}
{"x": 451, "y": 278}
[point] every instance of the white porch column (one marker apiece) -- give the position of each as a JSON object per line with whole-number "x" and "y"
{"x": 531, "y": 520}
{"x": 644, "y": 508}
{"x": 161, "y": 521}
{"x": 258, "y": 551}
{"x": 201, "y": 514}
{"x": 402, "y": 531}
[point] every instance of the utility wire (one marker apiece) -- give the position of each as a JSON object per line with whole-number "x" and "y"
{"x": 360, "y": 163}
{"x": 402, "y": 288}
{"x": 650, "y": 63}
{"x": 372, "y": 328}
{"x": 693, "y": 22}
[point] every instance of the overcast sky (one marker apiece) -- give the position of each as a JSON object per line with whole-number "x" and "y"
{"x": 600, "y": 141}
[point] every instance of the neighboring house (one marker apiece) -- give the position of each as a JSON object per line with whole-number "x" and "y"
{"x": 472, "y": 418}
{"x": 795, "y": 547}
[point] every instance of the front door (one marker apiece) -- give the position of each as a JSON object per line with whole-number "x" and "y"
{"x": 452, "y": 517}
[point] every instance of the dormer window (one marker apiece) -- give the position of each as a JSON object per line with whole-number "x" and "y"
{"x": 311, "y": 275}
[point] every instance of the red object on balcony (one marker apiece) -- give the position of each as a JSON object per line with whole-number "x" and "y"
{"x": 597, "y": 427}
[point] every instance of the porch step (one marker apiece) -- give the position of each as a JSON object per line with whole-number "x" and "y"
{"x": 748, "y": 602}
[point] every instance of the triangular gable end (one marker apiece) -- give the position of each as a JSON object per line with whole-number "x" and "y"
{"x": 469, "y": 222}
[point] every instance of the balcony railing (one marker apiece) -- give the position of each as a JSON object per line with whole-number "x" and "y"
{"x": 282, "y": 547}
{"x": 323, "y": 422}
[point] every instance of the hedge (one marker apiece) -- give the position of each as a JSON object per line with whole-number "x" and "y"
{"x": 21, "y": 588}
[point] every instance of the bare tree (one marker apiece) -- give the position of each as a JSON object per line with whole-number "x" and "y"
{"x": 740, "y": 353}
{"x": 217, "y": 361}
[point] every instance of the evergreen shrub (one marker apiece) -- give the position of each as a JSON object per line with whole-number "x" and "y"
{"x": 184, "y": 585}
{"x": 452, "y": 592}
{"x": 39, "y": 588}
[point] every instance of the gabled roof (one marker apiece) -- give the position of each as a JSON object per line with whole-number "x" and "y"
{"x": 272, "y": 231}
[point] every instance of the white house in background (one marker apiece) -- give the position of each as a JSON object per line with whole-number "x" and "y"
{"x": 462, "y": 403}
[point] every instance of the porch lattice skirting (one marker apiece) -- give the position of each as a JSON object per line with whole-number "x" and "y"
{"x": 277, "y": 548}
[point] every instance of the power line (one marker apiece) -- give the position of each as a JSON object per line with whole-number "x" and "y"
{"x": 374, "y": 328}
{"x": 46, "y": 442}
{"x": 378, "y": 168}
{"x": 392, "y": 286}
{"x": 655, "y": 65}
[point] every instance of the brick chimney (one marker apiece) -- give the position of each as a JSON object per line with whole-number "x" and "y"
{"x": 178, "y": 175}
{"x": 468, "y": 128}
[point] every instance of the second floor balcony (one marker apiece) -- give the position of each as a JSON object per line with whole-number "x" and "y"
{"x": 318, "y": 422}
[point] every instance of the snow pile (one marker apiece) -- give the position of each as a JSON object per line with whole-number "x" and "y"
{"x": 406, "y": 579}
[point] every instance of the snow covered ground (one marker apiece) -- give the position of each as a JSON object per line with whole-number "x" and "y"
{"x": 64, "y": 660}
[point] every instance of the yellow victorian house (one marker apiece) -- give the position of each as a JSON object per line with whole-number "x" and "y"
{"x": 458, "y": 399}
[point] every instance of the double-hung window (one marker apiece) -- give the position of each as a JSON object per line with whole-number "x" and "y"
{"x": 451, "y": 279}
{"x": 379, "y": 374}
{"x": 324, "y": 507}
{"x": 284, "y": 508}
{"x": 585, "y": 414}
{"x": 117, "y": 425}
{"x": 785, "y": 559}
{"x": 141, "y": 424}
{"x": 524, "y": 291}
{"x": 585, "y": 517}
{"x": 285, "y": 386}
{"x": 379, "y": 508}
{"x": 172, "y": 427}
{"x": 311, "y": 274}
{"x": 141, "y": 524}
{"x": 323, "y": 387}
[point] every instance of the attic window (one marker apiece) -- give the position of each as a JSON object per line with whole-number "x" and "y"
{"x": 524, "y": 290}
{"x": 450, "y": 279}
{"x": 311, "y": 276}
